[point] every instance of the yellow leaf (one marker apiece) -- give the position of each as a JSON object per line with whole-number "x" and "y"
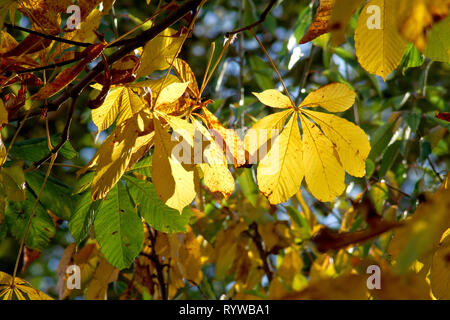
{"x": 260, "y": 132}
{"x": 379, "y": 49}
{"x": 21, "y": 290}
{"x": 227, "y": 139}
{"x": 105, "y": 115}
{"x": 185, "y": 73}
{"x": 189, "y": 255}
{"x": 121, "y": 103}
{"x": 98, "y": 286}
{"x": 216, "y": 175}
{"x": 323, "y": 171}
{"x": 142, "y": 145}
{"x": 351, "y": 141}
{"x": 274, "y": 98}
{"x": 290, "y": 266}
{"x": 158, "y": 50}
{"x": 7, "y": 42}
{"x": 334, "y": 97}
{"x": 225, "y": 248}
{"x": 153, "y": 84}
{"x": 173, "y": 180}
{"x": 422, "y": 232}
{"x": 280, "y": 171}
{"x": 130, "y": 104}
{"x": 113, "y": 157}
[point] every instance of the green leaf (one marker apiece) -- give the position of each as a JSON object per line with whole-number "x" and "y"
{"x": 370, "y": 168}
{"x": 262, "y": 72}
{"x": 300, "y": 221}
{"x": 118, "y": 228}
{"x": 82, "y": 217}
{"x": 413, "y": 120}
{"x": 380, "y": 139}
{"x": 411, "y": 59}
{"x": 83, "y": 183}
{"x": 56, "y": 196}
{"x": 248, "y": 186}
{"x": 36, "y": 149}
{"x": 389, "y": 157}
{"x": 42, "y": 228}
{"x": 155, "y": 212}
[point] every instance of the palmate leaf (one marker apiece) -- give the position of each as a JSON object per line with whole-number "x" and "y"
{"x": 329, "y": 146}
{"x": 118, "y": 228}
{"x": 21, "y": 290}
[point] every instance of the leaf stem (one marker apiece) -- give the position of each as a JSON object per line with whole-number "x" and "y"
{"x": 273, "y": 65}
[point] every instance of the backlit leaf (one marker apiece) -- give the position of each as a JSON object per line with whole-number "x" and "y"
{"x": 118, "y": 228}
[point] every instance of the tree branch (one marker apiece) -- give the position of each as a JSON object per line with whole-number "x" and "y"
{"x": 47, "y": 36}
{"x": 64, "y": 137}
{"x": 163, "y": 286}
{"x": 128, "y": 46}
{"x": 49, "y": 66}
{"x": 261, "y": 20}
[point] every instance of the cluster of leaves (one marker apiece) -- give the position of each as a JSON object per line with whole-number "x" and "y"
{"x": 162, "y": 229}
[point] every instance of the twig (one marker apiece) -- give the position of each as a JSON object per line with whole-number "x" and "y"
{"x": 163, "y": 287}
{"x": 49, "y": 66}
{"x": 261, "y": 20}
{"x": 434, "y": 169}
{"x": 241, "y": 64}
{"x": 273, "y": 65}
{"x": 47, "y": 36}
{"x": 392, "y": 187}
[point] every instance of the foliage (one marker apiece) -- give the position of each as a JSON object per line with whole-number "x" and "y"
{"x": 149, "y": 187}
